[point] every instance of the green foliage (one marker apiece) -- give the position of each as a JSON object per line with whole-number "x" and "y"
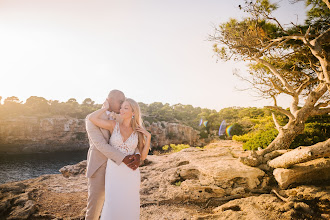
{"x": 178, "y": 183}
{"x": 263, "y": 132}
{"x": 314, "y": 132}
{"x": 236, "y": 129}
{"x": 318, "y": 15}
{"x": 178, "y": 147}
{"x": 243, "y": 138}
{"x": 175, "y": 148}
{"x": 260, "y": 139}
{"x": 203, "y": 134}
{"x": 41, "y": 107}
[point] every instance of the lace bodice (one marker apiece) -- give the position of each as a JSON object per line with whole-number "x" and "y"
{"x": 127, "y": 147}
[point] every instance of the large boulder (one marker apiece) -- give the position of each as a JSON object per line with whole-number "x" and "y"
{"x": 73, "y": 170}
{"x": 198, "y": 175}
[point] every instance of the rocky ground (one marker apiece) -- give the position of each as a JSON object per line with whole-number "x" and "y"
{"x": 194, "y": 183}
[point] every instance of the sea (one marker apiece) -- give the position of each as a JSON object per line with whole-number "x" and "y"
{"x": 26, "y": 166}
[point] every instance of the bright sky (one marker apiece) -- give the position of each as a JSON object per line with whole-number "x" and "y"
{"x": 152, "y": 50}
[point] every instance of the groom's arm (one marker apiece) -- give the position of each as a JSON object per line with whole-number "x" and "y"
{"x": 96, "y": 137}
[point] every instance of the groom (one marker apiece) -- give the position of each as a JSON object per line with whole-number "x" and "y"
{"x": 98, "y": 154}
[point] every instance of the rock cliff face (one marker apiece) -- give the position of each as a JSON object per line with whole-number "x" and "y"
{"x": 33, "y": 134}
{"x": 194, "y": 183}
{"x": 163, "y": 133}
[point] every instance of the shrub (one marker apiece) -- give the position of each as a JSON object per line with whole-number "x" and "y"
{"x": 178, "y": 147}
{"x": 203, "y": 134}
{"x": 314, "y": 132}
{"x": 261, "y": 139}
{"x": 165, "y": 147}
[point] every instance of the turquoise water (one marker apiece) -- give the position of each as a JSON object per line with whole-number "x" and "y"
{"x": 26, "y": 166}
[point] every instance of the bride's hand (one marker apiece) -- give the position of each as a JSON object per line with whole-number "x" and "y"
{"x": 143, "y": 131}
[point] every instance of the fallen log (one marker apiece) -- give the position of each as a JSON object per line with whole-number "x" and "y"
{"x": 301, "y": 155}
{"x": 311, "y": 172}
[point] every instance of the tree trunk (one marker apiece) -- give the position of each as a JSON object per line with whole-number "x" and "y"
{"x": 284, "y": 138}
{"x": 282, "y": 141}
{"x": 315, "y": 171}
{"x": 302, "y": 154}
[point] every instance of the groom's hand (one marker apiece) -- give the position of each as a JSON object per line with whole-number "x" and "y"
{"x": 106, "y": 104}
{"x": 132, "y": 161}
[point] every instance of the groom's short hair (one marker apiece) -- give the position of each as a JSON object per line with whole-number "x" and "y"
{"x": 114, "y": 93}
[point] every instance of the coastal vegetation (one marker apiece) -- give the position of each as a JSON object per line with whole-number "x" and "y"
{"x": 250, "y": 125}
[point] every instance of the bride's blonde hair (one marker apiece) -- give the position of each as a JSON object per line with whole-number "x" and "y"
{"x": 137, "y": 119}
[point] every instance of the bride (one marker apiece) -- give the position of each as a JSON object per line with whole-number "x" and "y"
{"x": 122, "y": 184}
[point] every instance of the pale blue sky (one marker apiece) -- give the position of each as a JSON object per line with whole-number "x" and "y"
{"x": 153, "y": 50}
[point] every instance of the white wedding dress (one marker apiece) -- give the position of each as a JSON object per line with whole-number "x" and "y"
{"x": 122, "y": 184}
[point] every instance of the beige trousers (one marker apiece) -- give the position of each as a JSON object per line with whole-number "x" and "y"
{"x": 95, "y": 193}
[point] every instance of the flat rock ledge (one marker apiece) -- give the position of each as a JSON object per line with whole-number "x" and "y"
{"x": 208, "y": 183}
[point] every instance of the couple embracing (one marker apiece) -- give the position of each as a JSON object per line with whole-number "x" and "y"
{"x": 118, "y": 141}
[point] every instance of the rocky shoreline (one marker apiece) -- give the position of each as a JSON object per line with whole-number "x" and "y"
{"x": 208, "y": 183}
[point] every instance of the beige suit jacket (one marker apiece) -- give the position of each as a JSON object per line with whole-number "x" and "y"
{"x": 100, "y": 150}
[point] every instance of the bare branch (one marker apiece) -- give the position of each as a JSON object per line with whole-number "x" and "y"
{"x": 276, "y": 73}
{"x": 279, "y": 109}
{"x": 278, "y": 23}
{"x": 280, "y": 89}
{"x": 322, "y": 104}
{"x": 292, "y": 37}
{"x": 267, "y": 47}
{"x": 307, "y": 33}
{"x": 283, "y": 42}
{"x": 277, "y": 125}
{"x": 305, "y": 84}
{"x": 313, "y": 67}
{"x": 275, "y": 101}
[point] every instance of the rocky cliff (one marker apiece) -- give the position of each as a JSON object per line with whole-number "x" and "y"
{"x": 36, "y": 134}
{"x": 199, "y": 184}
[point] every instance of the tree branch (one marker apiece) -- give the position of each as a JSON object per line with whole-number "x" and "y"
{"x": 276, "y": 73}
{"x": 327, "y": 3}
{"x": 313, "y": 67}
{"x": 292, "y": 37}
{"x": 305, "y": 84}
{"x": 277, "y": 125}
{"x": 322, "y": 104}
{"x": 295, "y": 37}
{"x": 275, "y": 101}
{"x": 321, "y": 111}
{"x": 315, "y": 95}
{"x": 283, "y": 111}
{"x": 322, "y": 38}
{"x": 280, "y": 89}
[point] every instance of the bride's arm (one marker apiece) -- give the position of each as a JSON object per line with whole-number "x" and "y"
{"x": 144, "y": 146}
{"x": 96, "y": 119}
